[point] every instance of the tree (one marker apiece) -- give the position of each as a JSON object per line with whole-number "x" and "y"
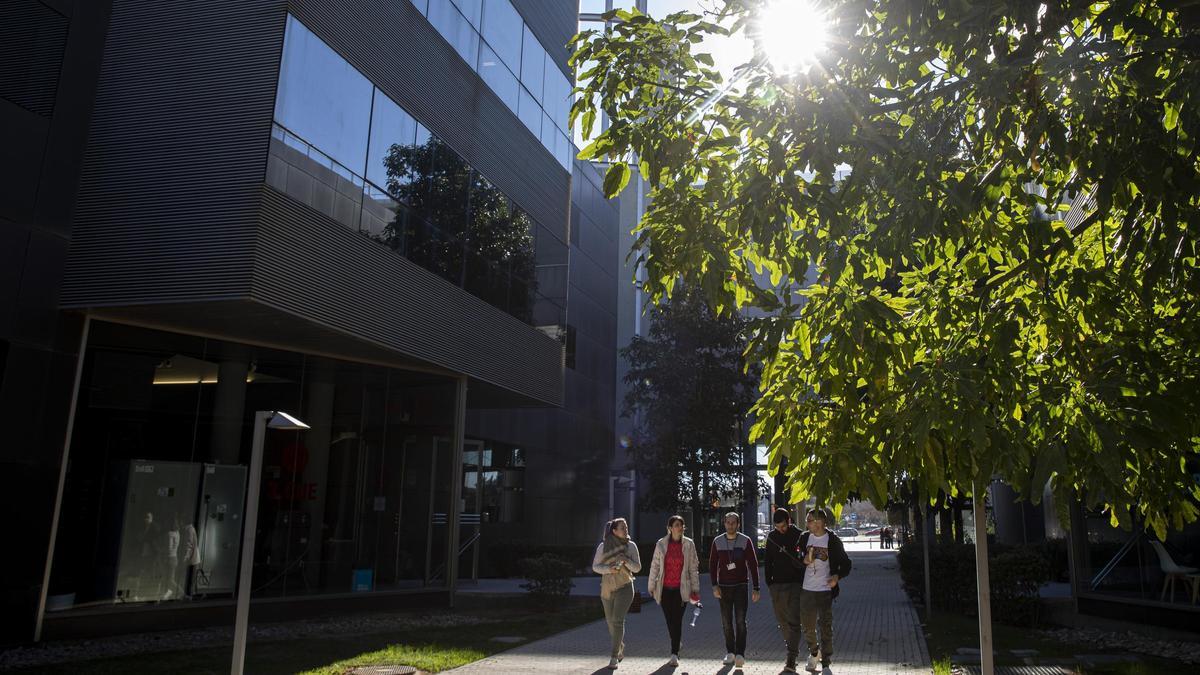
{"x": 934, "y": 318}
{"x": 689, "y": 395}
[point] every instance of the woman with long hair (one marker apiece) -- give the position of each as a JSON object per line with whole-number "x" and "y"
{"x": 616, "y": 560}
{"x": 675, "y": 579}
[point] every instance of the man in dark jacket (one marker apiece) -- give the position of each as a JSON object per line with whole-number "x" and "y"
{"x": 785, "y": 577}
{"x": 825, "y": 565}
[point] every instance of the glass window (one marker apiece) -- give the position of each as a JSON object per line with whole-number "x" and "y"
{"x": 557, "y": 95}
{"x": 548, "y": 133}
{"x": 502, "y": 27}
{"x": 470, "y": 9}
{"x": 592, "y": 6}
{"x": 322, "y": 99}
{"x": 530, "y": 113}
{"x": 566, "y": 151}
{"x": 422, "y": 6}
{"x": 533, "y": 64}
{"x": 499, "y": 77}
{"x": 390, "y": 152}
{"x": 165, "y": 424}
{"x": 455, "y": 28}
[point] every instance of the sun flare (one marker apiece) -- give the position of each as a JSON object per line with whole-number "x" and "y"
{"x": 792, "y": 33}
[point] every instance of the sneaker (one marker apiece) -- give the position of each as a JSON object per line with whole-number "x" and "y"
{"x": 728, "y": 660}
{"x": 612, "y": 663}
{"x": 789, "y": 668}
{"x": 813, "y": 664}
{"x": 739, "y": 661}
{"x": 674, "y": 661}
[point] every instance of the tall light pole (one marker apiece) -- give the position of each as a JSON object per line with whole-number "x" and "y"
{"x": 263, "y": 420}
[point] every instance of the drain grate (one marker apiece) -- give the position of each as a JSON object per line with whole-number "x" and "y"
{"x": 384, "y": 670}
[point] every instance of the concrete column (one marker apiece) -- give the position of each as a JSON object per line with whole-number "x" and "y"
{"x": 455, "y": 478}
{"x": 319, "y": 381}
{"x": 229, "y": 408}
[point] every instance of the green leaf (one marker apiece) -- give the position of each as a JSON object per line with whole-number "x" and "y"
{"x": 1170, "y": 115}
{"x": 615, "y": 179}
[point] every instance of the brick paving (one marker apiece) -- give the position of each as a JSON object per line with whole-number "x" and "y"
{"x": 876, "y": 632}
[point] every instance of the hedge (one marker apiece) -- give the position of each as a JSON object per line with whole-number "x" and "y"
{"x": 1015, "y": 575}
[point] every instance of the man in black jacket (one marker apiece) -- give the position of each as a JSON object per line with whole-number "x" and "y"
{"x": 825, "y": 565}
{"x": 785, "y": 575}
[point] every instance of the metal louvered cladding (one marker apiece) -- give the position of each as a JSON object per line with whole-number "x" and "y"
{"x": 393, "y": 45}
{"x": 33, "y": 38}
{"x": 176, "y": 154}
{"x": 553, "y": 22}
{"x": 313, "y": 267}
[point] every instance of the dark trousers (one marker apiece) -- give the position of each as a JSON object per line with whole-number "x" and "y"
{"x": 733, "y": 617}
{"x": 785, "y": 598}
{"x": 816, "y": 613}
{"x": 672, "y": 604}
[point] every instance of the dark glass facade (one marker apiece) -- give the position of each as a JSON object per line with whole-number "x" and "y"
{"x": 492, "y": 39}
{"x": 153, "y": 500}
{"x": 343, "y": 147}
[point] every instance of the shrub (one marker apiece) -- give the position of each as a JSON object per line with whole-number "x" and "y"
{"x": 547, "y": 576}
{"x": 1015, "y": 575}
{"x": 504, "y": 559}
{"x": 1055, "y": 553}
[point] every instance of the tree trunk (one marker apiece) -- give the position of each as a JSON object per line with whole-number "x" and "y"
{"x": 957, "y": 505}
{"x": 983, "y": 588}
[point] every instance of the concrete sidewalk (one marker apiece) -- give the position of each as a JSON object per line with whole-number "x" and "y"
{"x": 876, "y": 632}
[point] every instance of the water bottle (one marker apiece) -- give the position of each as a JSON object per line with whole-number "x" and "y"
{"x": 696, "y": 613}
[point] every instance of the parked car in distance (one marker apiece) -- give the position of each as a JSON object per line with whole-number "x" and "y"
{"x": 847, "y": 532}
{"x": 873, "y": 533}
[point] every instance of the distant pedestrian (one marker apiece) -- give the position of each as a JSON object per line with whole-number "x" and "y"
{"x": 785, "y": 579}
{"x": 674, "y": 579}
{"x": 732, "y": 563}
{"x": 825, "y": 565}
{"x": 617, "y": 560}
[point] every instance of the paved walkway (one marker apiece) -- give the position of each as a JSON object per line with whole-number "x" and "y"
{"x": 876, "y": 632}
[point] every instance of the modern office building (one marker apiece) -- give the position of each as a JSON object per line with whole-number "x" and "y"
{"x": 365, "y": 213}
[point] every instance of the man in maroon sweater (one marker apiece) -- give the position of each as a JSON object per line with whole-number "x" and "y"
{"x": 732, "y": 563}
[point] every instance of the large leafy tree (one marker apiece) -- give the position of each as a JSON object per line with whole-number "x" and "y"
{"x": 934, "y": 316}
{"x": 689, "y": 396}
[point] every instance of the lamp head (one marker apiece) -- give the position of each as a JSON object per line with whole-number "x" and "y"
{"x": 282, "y": 420}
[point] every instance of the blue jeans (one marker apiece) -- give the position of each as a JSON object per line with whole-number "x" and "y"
{"x": 733, "y": 617}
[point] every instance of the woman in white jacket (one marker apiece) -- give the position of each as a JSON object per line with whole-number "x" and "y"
{"x": 674, "y": 579}
{"x": 617, "y": 561}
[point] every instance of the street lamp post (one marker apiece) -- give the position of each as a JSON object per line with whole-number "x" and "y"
{"x": 263, "y": 420}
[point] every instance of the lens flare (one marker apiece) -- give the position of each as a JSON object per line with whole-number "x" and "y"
{"x": 791, "y": 34}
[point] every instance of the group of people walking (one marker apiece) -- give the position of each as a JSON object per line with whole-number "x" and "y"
{"x": 802, "y": 569}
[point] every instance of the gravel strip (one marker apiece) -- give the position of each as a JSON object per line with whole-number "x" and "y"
{"x": 1179, "y": 650}
{"x": 146, "y": 643}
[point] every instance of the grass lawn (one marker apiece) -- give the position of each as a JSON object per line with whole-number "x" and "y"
{"x": 431, "y": 649}
{"x": 948, "y": 631}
